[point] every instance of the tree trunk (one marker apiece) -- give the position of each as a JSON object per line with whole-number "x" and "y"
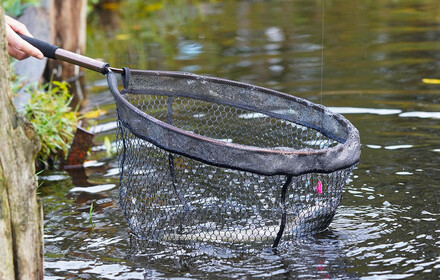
{"x": 68, "y": 31}
{"x": 21, "y": 234}
{"x": 7, "y": 263}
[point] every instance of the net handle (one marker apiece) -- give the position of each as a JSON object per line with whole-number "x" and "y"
{"x": 55, "y": 52}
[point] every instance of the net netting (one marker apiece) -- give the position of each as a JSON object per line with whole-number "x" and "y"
{"x": 210, "y": 160}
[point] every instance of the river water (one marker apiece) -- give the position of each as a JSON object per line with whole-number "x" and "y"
{"x": 374, "y": 63}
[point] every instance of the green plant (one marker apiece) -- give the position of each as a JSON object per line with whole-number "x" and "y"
{"x": 15, "y": 8}
{"x": 54, "y": 121}
{"x": 89, "y": 219}
{"x": 36, "y": 175}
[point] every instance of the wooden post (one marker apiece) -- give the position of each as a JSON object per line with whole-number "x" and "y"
{"x": 68, "y": 31}
{"x": 21, "y": 227}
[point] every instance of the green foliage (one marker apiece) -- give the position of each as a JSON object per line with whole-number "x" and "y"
{"x": 39, "y": 183}
{"x": 15, "y": 8}
{"x": 54, "y": 121}
{"x": 89, "y": 219}
{"x": 49, "y": 112}
{"x": 90, "y": 214}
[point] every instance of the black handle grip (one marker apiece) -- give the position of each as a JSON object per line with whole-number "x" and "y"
{"x": 47, "y": 49}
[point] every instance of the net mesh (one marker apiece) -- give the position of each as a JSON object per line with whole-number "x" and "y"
{"x": 172, "y": 196}
{"x": 230, "y": 124}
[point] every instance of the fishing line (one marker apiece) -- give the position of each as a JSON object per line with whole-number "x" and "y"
{"x": 322, "y": 46}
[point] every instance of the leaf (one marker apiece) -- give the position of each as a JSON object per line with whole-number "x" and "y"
{"x": 111, "y": 6}
{"x": 431, "y": 81}
{"x": 122, "y": 37}
{"x": 94, "y": 114}
{"x": 152, "y": 7}
{"x": 108, "y": 146}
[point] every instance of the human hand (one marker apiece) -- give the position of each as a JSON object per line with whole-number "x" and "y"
{"x": 17, "y": 47}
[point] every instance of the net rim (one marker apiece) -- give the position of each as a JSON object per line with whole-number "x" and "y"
{"x": 351, "y": 145}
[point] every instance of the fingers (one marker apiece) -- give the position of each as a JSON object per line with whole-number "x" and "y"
{"x": 17, "y": 26}
{"x": 17, "y": 54}
{"x": 17, "y": 47}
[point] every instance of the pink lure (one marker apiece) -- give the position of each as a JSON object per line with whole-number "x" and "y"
{"x": 319, "y": 187}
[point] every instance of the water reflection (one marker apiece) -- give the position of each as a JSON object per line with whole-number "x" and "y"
{"x": 422, "y": 115}
{"x": 313, "y": 258}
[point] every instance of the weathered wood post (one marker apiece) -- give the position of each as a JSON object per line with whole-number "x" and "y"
{"x": 21, "y": 228}
{"x": 68, "y": 31}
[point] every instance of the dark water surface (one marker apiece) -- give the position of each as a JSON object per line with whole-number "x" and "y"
{"x": 376, "y": 55}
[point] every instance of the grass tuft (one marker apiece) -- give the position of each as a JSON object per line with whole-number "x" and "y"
{"x": 54, "y": 121}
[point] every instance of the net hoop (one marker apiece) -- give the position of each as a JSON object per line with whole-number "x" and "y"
{"x": 260, "y": 160}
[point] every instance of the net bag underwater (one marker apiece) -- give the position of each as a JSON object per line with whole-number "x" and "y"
{"x": 204, "y": 159}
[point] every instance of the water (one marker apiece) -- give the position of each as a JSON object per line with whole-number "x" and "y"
{"x": 377, "y": 54}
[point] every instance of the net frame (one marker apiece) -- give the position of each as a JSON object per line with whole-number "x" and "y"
{"x": 261, "y": 160}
